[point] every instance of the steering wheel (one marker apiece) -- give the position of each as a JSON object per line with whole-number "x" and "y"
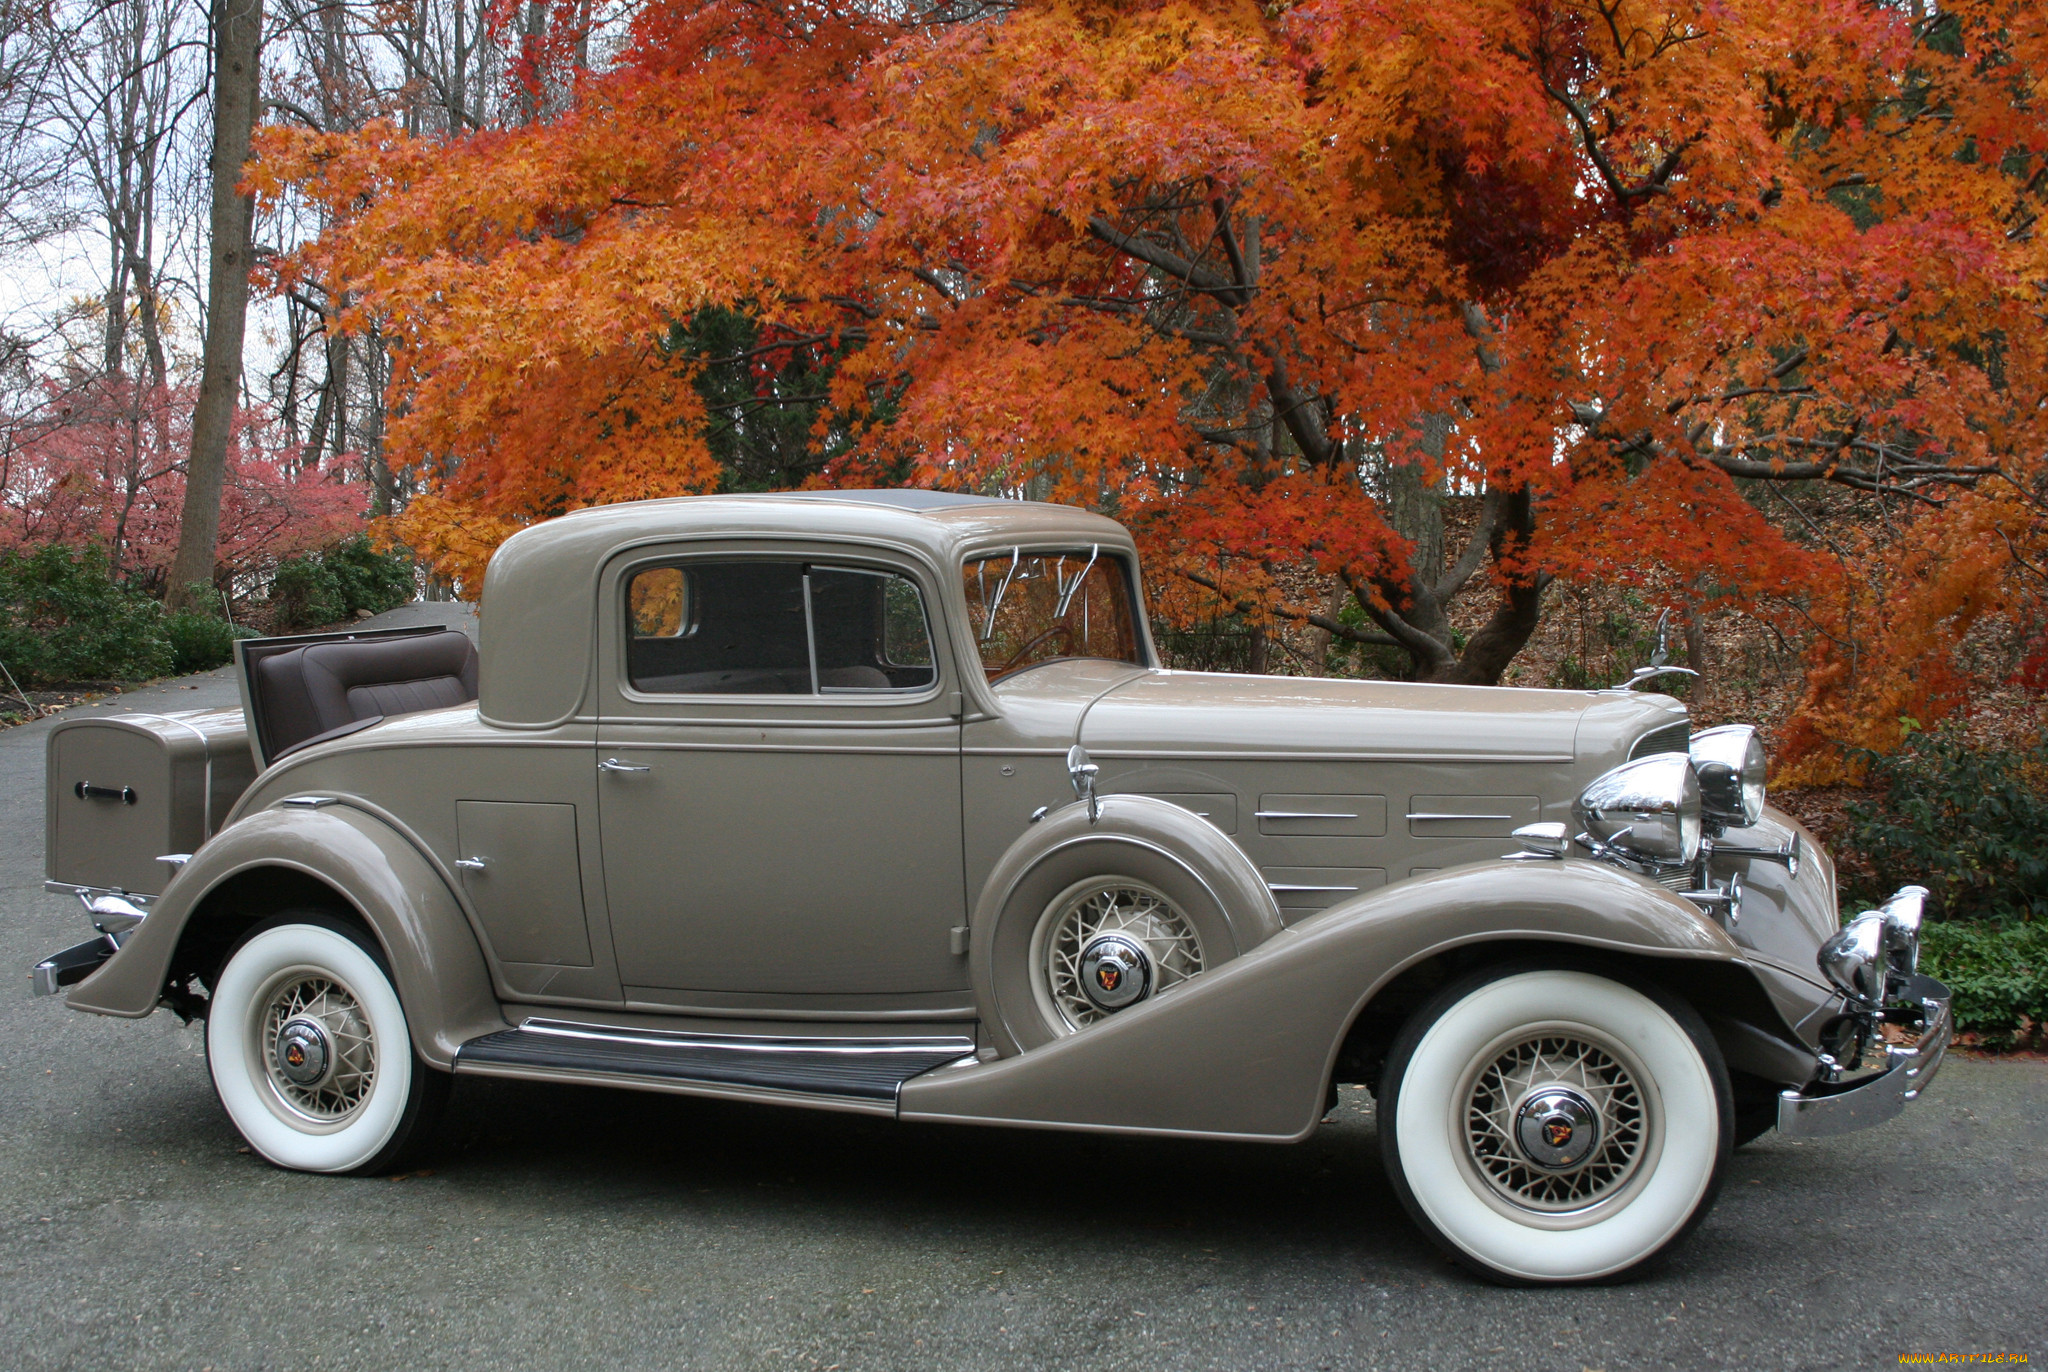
{"x": 1056, "y": 631}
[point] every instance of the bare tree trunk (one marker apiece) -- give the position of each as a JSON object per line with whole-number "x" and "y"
{"x": 237, "y": 45}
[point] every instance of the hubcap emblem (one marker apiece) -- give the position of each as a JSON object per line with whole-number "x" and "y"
{"x": 1116, "y": 972}
{"x": 1557, "y": 1128}
{"x": 302, "y": 1052}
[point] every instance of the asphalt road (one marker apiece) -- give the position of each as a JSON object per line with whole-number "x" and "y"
{"x": 571, "y": 1228}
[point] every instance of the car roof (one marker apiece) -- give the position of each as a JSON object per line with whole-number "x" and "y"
{"x": 539, "y": 597}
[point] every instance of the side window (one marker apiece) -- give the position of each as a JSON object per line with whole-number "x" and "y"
{"x": 871, "y": 631}
{"x": 775, "y": 628}
{"x": 718, "y": 628}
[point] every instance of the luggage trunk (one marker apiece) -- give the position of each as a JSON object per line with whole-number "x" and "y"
{"x": 125, "y": 790}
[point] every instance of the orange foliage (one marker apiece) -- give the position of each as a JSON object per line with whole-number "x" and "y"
{"x": 1629, "y": 266}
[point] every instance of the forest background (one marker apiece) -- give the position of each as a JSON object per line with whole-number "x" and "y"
{"x": 1452, "y": 341}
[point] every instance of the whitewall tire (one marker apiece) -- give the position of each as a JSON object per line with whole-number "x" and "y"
{"x": 1554, "y": 1125}
{"x": 310, "y": 1053}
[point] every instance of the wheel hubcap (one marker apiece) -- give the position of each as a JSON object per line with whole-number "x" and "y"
{"x": 320, "y": 1055}
{"x": 1105, "y": 945}
{"x": 1556, "y": 1128}
{"x": 1555, "y": 1123}
{"x": 1115, "y": 972}
{"x": 302, "y": 1052}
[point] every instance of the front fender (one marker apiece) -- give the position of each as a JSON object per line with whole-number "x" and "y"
{"x": 1246, "y": 1050}
{"x": 439, "y": 969}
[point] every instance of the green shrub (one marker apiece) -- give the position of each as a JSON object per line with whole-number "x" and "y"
{"x": 1967, "y": 824}
{"x": 63, "y": 617}
{"x": 304, "y": 594}
{"x": 200, "y": 642}
{"x": 325, "y": 587}
{"x": 1998, "y": 973}
{"x": 369, "y": 580}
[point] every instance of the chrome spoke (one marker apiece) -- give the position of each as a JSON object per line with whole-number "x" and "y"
{"x": 329, "y": 1011}
{"x": 1550, "y": 1066}
{"x": 1137, "y": 913}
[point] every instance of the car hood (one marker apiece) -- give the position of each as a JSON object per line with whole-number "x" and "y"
{"x": 1165, "y": 714}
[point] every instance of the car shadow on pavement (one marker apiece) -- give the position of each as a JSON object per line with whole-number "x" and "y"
{"x": 1328, "y": 1196}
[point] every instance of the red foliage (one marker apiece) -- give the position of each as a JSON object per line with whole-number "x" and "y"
{"x": 104, "y": 463}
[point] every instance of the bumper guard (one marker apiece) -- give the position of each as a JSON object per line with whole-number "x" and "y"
{"x": 1875, "y": 1099}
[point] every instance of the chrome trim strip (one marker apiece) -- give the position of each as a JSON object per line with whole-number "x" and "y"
{"x": 1422, "y": 815}
{"x": 742, "y": 1043}
{"x": 625, "y": 743}
{"x": 1301, "y": 814}
{"x": 1172, "y": 755}
{"x": 678, "y": 1086}
{"x": 1277, "y": 887}
{"x": 88, "y": 894}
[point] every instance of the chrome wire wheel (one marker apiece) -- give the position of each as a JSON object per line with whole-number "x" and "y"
{"x": 1080, "y": 917}
{"x": 316, "y": 1045}
{"x": 1555, "y": 1123}
{"x": 310, "y": 1052}
{"x": 1552, "y": 1124}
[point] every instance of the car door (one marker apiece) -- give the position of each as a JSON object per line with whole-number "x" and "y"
{"x": 779, "y": 784}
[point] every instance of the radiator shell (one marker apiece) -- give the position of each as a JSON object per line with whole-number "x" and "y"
{"x": 185, "y": 770}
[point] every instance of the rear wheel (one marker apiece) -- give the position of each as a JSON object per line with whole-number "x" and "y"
{"x": 1548, "y": 1125}
{"x": 310, "y": 1053}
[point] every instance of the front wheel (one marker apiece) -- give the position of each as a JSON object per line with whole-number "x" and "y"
{"x": 310, "y": 1053}
{"x": 1548, "y": 1125}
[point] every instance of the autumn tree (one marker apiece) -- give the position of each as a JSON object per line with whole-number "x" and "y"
{"x": 1272, "y": 283}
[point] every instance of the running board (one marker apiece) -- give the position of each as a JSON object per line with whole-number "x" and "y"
{"x": 849, "y": 1069}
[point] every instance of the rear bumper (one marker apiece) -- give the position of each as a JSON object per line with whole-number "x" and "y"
{"x": 1843, "y": 1109}
{"x": 71, "y": 966}
{"x": 114, "y": 913}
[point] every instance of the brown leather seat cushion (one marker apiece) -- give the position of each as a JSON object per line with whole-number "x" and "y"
{"x": 314, "y": 690}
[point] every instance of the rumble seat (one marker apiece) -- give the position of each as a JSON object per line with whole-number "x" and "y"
{"x": 307, "y": 694}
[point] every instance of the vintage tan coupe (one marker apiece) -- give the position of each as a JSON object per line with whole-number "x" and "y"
{"x": 880, "y": 801}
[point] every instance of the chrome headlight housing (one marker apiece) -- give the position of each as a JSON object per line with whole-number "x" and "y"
{"x": 1730, "y": 764}
{"x": 1854, "y": 959}
{"x": 1646, "y": 811}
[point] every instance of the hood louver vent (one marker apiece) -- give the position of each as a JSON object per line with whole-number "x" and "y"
{"x": 1672, "y": 738}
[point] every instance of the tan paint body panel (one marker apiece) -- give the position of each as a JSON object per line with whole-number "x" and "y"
{"x": 1245, "y": 1051}
{"x": 396, "y": 887}
{"x": 528, "y": 873}
{"x": 186, "y": 770}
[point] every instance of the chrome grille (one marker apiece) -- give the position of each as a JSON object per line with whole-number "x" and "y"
{"x": 1671, "y": 738}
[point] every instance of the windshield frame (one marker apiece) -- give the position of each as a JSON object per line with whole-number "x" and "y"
{"x": 1124, "y": 558}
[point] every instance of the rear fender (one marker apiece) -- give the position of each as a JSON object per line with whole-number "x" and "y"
{"x": 368, "y": 864}
{"x": 1246, "y": 1050}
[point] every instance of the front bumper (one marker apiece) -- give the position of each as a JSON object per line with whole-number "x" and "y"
{"x": 1844, "y": 1108}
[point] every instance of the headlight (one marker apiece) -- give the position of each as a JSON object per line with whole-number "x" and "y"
{"x": 1854, "y": 959}
{"x": 1647, "y": 810}
{"x": 1730, "y": 763}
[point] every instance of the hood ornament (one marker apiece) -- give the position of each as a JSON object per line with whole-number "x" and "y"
{"x": 1658, "y": 658}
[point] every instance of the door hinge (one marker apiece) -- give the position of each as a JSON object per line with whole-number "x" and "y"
{"x": 960, "y": 936}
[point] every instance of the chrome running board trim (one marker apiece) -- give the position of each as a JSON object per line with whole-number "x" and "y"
{"x": 846, "y": 1068}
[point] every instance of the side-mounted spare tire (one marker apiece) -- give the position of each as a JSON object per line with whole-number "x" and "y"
{"x": 1088, "y": 915}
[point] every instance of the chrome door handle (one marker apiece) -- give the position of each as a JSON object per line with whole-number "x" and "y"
{"x": 612, "y": 764}
{"x": 470, "y": 864}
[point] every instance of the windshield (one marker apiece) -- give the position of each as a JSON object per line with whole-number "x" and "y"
{"x": 1029, "y": 607}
